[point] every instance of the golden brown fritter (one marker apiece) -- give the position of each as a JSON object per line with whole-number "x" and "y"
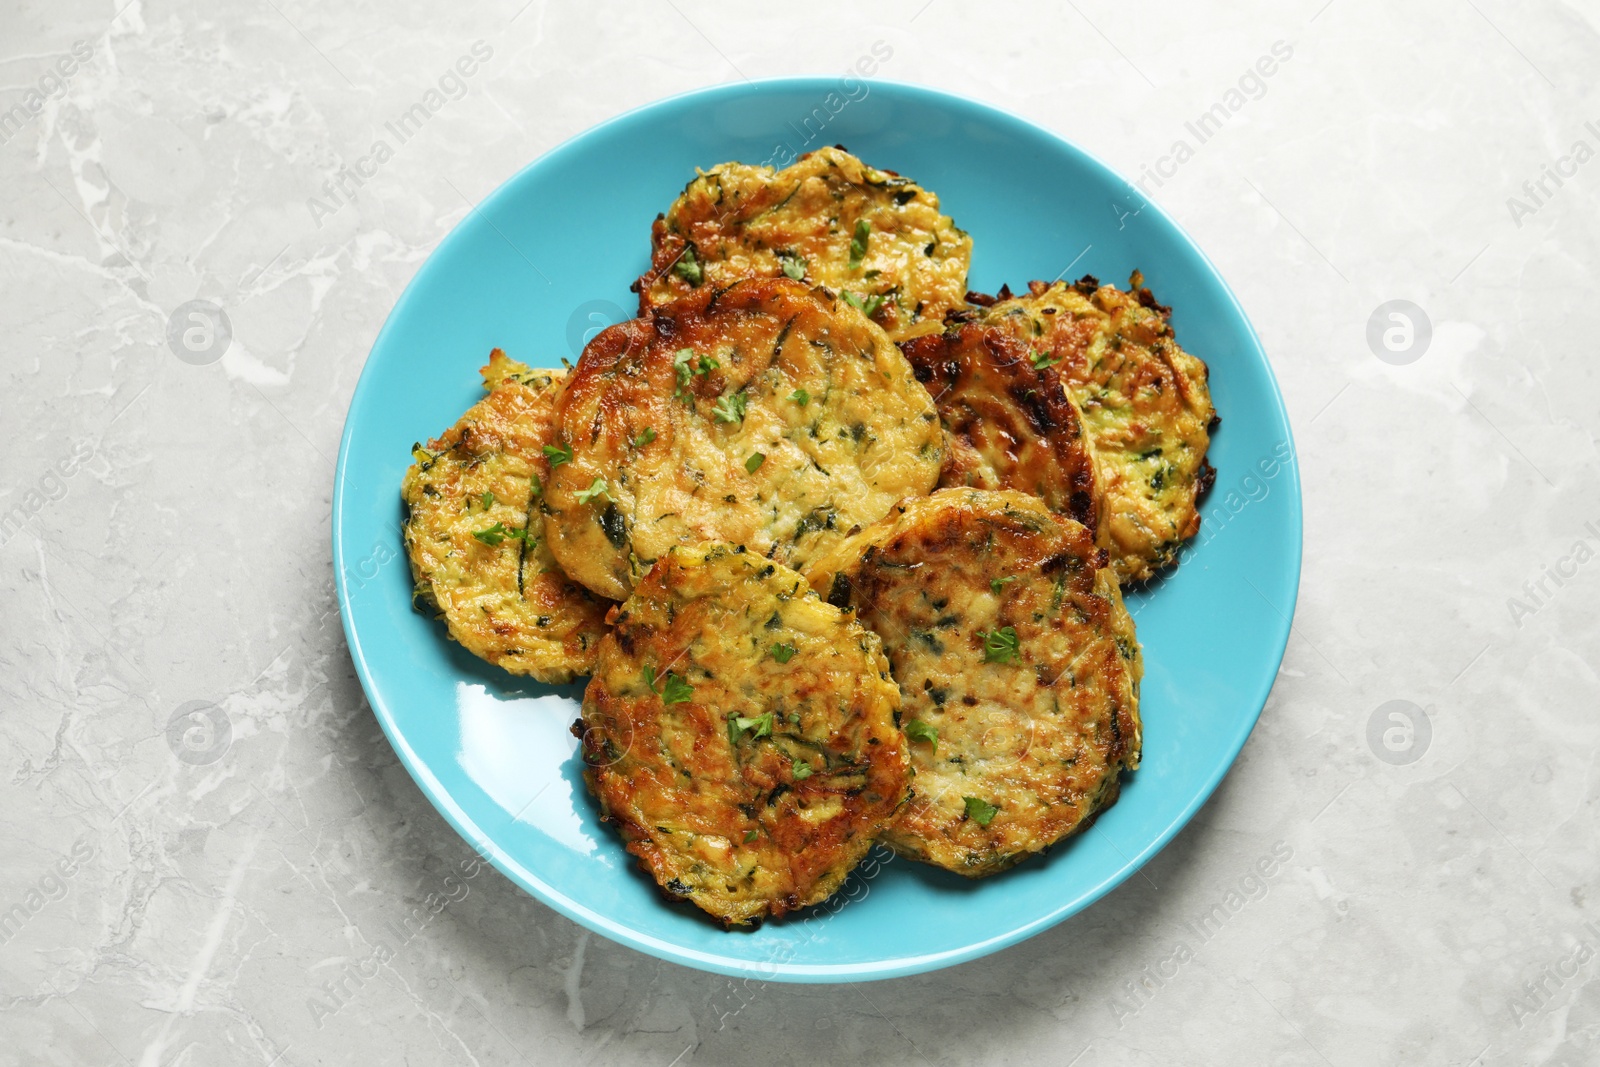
{"x": 828, "y": 219}
{"x": 767, "y": 414}
{"x": 1010, "y": 423}
{"x": 1017, "y": 664}
{"x": 1145, "y": 403}
{"x": 741, "y": 734}
{"x": 470, "y": 496}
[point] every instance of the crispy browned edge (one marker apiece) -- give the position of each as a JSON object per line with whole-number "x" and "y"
{"x": 1087, "y": 286}
{"x": 1037, "y": 392}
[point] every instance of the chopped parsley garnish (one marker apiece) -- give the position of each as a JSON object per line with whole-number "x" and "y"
{"x": 782, "y": 653}
{"x": 688, "y": 267}
{"x": 487, "y": 500}
{"x": 558, "y": 454}
{"x": 687, "y": 367}
{"x": 858, "y": 243}
{"x": 673, "y": 690}
{"x": 801, "y": 397}
{"x": 499, "y": 532}
{"x": 980, "y": 811}
{"x": 730, "y": 408}
{"x": 1001, "y": 646}
{"x": 596, "y": 488}
{"x": 793, "y": 266}
{"x": 755, "y": 461}
{"x": 759, "y": 726}
{"x": 997, "y": 584}
{"x": 493, "y": 535}
{"x": 1041, "y": 360}
{"x": 749, "y": 836}
{"x": 918, "y": 730}
{"x": 802, "y": 771}
{"x": 868, "y": 307}
{"x": 645, "y": 438}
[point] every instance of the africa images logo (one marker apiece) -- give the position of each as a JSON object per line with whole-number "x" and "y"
{"x": 1537, "y": 591}
{"x": 1540, "y": 189}
{"x": 340, "y": 189}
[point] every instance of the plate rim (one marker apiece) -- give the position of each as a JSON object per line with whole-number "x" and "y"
{"x": 445, "y": 804}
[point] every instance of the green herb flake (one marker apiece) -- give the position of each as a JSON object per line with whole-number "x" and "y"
{"x": 802, "y": 771}
{"x": 782, "y": 653}
{"x": 673, "y": 690}
{"x": 487, "y": 500}
{"x": 996, "y": 585}
{"x": 759, "y": 726}
{"x": 558, "y": 454}
{"x": 676, "y": 690}
{"x": 1041, "y": 360}
{"x": 1002, "y": 646}
{"x": 801, "y": 397}
{"x": 680, "y": 363}
{"x": 755, "y": 461}
{"x": 980, "y": 811}
{"x": 858, "y": 243}
{"x": 730, "y": 408}
{"x": 868, "y": 307}
{"x": 688, "y": 367}
{"x": 493, "y": 535}
{"x": 793, "y": 266}
{"x": 596, "y": 488}
{"x": 749, "y": 836}
{"x": 645, "y": 437}
{"x": 917, "y": 730}
{"x": 688, "y": 267}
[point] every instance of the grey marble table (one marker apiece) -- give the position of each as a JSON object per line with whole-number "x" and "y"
{"x": 1423, "y": 783}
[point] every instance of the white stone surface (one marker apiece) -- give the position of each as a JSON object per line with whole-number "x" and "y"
{"x": 186, "y": 557}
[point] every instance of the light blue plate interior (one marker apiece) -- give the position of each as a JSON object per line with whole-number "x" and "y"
{"x": 546, "y": 261}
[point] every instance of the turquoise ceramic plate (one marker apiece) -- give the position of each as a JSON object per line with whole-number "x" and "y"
{"x": 545, "y": 262}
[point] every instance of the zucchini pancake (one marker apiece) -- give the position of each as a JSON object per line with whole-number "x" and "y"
{"x": 1017, "y": 664}
{"x": 741, "y": 734}
{"x": 1145, "y": 402}
{"x": 829, "y": 219}
{"x": 1011, "y": 424}
{"x": 471, "y": 532}
{"x": 840, "y": 543}
{"x": 767, "y": 414}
